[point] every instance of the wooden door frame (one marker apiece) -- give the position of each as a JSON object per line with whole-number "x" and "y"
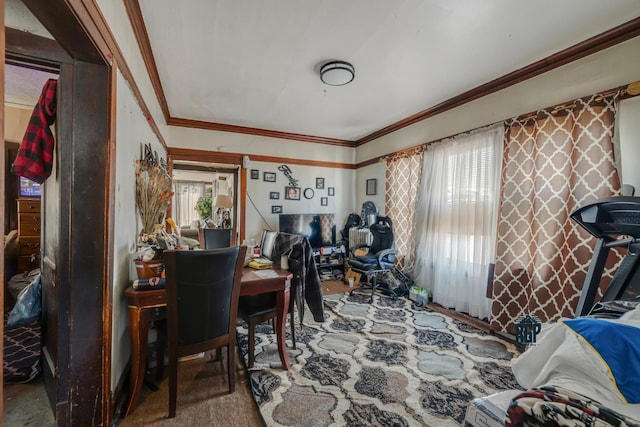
{"x": 87, "y": 224}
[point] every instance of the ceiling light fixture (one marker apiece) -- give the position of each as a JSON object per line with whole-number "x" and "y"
{"x": 337, "y": 73}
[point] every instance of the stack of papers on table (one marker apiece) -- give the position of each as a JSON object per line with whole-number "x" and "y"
{"x": 266, "y": 274}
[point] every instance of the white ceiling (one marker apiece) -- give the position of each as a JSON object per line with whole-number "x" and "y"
{"x": 23, "y": 86}
{"x": 255, "y": 63}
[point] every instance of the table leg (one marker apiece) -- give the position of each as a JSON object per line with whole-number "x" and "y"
{"x": 139, "y": 322}
{"x": 282, "y": 303}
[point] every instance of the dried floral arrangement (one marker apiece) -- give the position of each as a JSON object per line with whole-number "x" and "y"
{"x": 154, "y": 190}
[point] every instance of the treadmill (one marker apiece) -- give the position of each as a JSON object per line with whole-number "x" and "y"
{"x": 615, "y": 222}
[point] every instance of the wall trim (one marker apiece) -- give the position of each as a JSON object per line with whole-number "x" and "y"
{"x": 207, "y": 156}
{"x": 588, "y": 47}
{"x": 619, "y": 34}
{"x": 199, "y": 124}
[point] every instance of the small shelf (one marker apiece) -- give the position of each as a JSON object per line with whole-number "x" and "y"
{"x": 330, "y": 262}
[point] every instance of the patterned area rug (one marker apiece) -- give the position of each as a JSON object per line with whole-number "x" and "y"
{"x": 389, "y": 363}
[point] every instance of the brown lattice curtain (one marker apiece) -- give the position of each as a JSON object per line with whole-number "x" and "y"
{"x": 554, "y": 162}
{"x": 403, "y": 180}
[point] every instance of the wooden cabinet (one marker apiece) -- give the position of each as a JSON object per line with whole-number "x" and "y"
{"x": 29, "y": 224}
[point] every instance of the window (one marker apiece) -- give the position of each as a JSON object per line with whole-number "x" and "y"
{"x": 186, "y": 195}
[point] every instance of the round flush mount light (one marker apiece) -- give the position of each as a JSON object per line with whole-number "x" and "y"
{"x": 337, "y": 73}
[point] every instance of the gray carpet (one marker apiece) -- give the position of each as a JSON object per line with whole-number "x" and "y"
{"x": 386, "y": 363}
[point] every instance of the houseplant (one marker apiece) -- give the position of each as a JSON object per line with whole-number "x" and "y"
{"x": 204, "y": 205}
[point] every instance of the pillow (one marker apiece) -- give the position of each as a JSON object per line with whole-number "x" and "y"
{"x": 268, "y": 243}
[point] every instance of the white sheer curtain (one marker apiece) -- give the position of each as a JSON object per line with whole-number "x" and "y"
{"x": 456, "y": 215}
{"x": 186, "y": 194}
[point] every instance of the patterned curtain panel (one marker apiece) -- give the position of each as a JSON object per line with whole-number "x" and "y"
{"x": 403, "y": 180}
{"x": 554, "y": 163}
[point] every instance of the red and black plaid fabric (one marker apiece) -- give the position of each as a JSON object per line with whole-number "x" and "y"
{"x": 35, "y": 156}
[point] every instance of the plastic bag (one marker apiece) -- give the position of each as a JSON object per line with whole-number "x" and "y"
{"x": 29, "y": 304}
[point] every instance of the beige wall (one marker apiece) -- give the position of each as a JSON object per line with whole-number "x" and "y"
{"x": 15, "y": 123}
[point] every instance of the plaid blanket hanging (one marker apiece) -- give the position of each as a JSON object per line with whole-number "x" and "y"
{"x": 35, "y": 156}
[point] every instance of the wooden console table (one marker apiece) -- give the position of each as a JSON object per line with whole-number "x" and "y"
{"x": 143, "y": 303}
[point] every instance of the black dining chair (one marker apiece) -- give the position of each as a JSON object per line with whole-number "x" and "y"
{"x": 214, "y": 238}
{"x": 203, "y": 289}
{"x": 256, "y": 309}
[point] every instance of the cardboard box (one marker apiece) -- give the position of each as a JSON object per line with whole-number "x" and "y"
{"x": 489, "y": 411}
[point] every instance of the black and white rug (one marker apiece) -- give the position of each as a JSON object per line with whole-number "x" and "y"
{"x": 389, "y": 363}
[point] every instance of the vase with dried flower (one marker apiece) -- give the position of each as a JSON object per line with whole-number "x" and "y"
{"x": 154, "y": 190}
{"x": 153, "y": 194}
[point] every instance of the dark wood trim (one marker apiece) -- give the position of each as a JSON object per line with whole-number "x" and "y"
{"x": 82, "y": 379}
{"x": 142, "y": 37}
{"x": 89, "y": 15}
{"x": 371, "y": 161}
{"x": 199, "y": 124}
{"x": 242, "y": 196}
{"x": 630, "y": 90}
{"x": 60, "y": 19}
{"x": 588, "y": 47}
{"x": 201, "y": 168}
{"x": 34, "y": 51}
{"x": 236, "y": 158}
{"x": 140, "y": 30}
{"x": 204, "y": 156}
{"x": 109, "y": 255}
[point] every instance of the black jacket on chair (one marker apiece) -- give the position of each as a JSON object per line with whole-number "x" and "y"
{"x": 306, "y": 285}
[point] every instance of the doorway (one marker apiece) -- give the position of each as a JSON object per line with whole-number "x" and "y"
{"x": 75, "y": 269}
{"x": 22, "y": 204}
{"x": 205, "y": 195}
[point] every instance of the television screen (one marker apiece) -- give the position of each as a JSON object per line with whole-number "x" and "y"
{"x": 29, "y": 188}
{"x": 319, "y": 228}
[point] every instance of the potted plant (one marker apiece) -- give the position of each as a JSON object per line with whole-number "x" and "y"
{"x": 204, "y": 205}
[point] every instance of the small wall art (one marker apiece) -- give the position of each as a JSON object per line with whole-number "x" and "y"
{"x": 324, "y": 201}
{"x": 292, "y": 193}
{"x": 274, "y": 195}
{"x": 371, "y": 187}
{"x": 332, "y": 191}
{"x": 255, "y": 174}
{"x": 320, "y": 183}
{"x": 276, "y": 209}
{"x": 269, "y": 177}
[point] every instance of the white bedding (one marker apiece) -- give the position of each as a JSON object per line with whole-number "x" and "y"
{"x": 563, "y": 358}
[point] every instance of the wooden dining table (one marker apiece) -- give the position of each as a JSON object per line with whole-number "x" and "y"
{"x": 145, "y": 305}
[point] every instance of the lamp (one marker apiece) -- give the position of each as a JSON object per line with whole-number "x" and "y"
{"x": 223, "y": 202}
{"x": 337, "y": 73}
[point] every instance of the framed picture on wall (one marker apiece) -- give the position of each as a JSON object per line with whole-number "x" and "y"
{"x": 324, "y": 201}
{"x": 274, "y": 195}
{"x": 371, "y": 187}
{"x": 292, "y": 193}
{"x": 332, "y": 191}
{"x": 276, "y": 209}
{"x": 255, "y": 174}
{"x": 320, "y": 183}
{"x": 269, "y": 177}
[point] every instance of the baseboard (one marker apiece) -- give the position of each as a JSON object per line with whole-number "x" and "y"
{"x": 119, "y": 396}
